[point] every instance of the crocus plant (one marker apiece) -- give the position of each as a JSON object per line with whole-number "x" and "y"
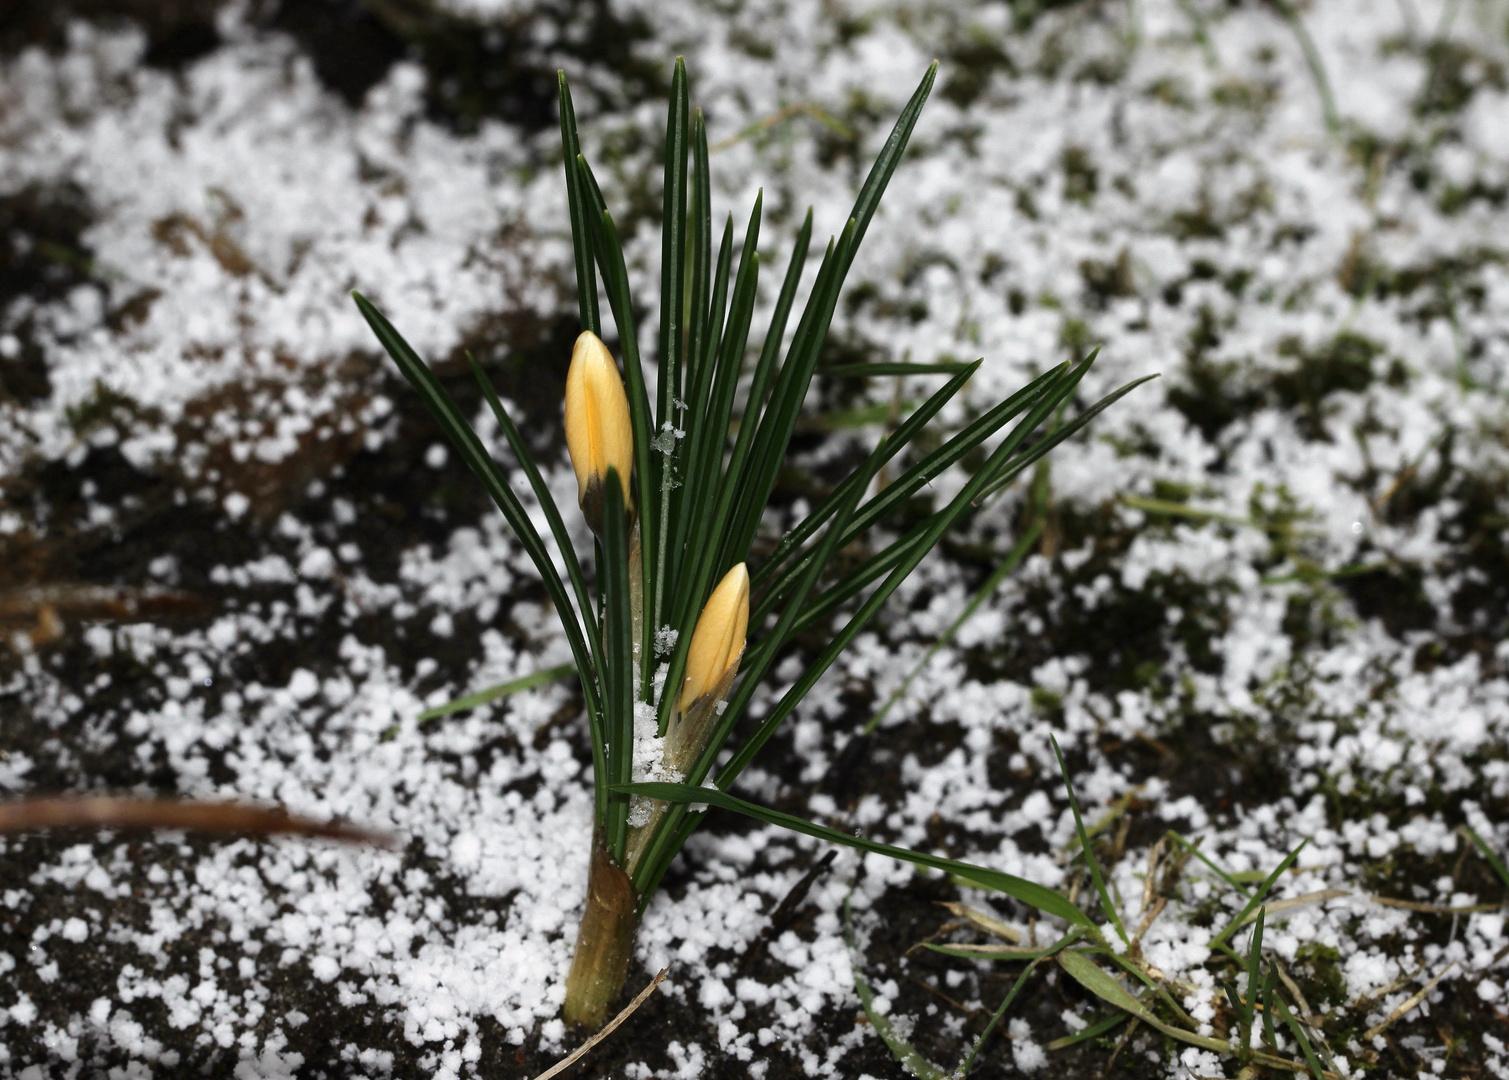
{"x": 675, "y": 631}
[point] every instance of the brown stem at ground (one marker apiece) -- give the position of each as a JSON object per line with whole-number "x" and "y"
{"x": 604, "y": 944}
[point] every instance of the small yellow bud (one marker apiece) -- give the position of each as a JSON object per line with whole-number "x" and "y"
{"x": 598, "y": 432}
{"x": 718, "y": 641}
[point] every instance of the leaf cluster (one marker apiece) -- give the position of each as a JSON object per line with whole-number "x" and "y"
{"x": 706, "y": 454}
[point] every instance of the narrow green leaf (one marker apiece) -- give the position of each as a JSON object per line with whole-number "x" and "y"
{"x": 701, "y": 240}
{"x": 1016, "y": 988}
{"x": 542, "y": 495}
{"x": 904, "y": 1052}
{"x": 936, "y": 526}
{"x": 1097, "y": 1028}
{"x": 586, "y": 272}
{"x": 672, "y": 244}
{"x": 1488, "y": 853}
{"x": 697, "y": 425}
{"x": 1014, "y": 557}
{"x": 542, "y": 677}
{"x": 1197, "y": 853}
{"x": 885, "y": 164}
{"x": 618, "y": 679}
{"x": 1094, "y": 978}
{"x": 778, "y": 419}
{"x": 706, "y": 513}
{"x": 1034, "y": 895}
{"x": 1040, "y": 449}
{"x": 1257, "y": 897}
{"x": 1248, "y": 1010}
{"x": 671, "y": 834}
{"x": 1300, "y": 1037}
{"x": 1089, "y": 852}
{"x": 801, "y": 360}
{"x": 470, "y": 447}
{"x": 878, "y": 369}
{"x": 1052, "y": 386}
{"x": 647, "y": 475}
{"x": 893, "y": 445}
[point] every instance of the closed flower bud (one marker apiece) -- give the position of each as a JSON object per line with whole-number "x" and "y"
{"x": 718, "y": 641}
{"x": 598, "y": 433}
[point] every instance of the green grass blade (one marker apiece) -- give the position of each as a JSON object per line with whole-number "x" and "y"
{"x": 618, "y": 672}
{"x": 878, "y": 369}
{"x": 647, "y": 474}
{"x": 1254, "y": 983}
{"x": 705, "y": 514}
{"x": 1097, "y": 1028}
{"x": 695, "y": 479}
{"x": 904, "y": 1052}
{"x": 461, "y": 435}
{"x": 542, "y": 495}
{"x": 922, "y": 534}
{"x": 1030, "y": 893}
{"x": 1016, "y": 988}
{"x": 662, "y": 847}
{"x": 1257, "y": 898}
{"x": 778, "y": 419}
{"x": 1089, "y": 852}
{"x": 936, "y": 526}
{"x": 1014, "y": 557}
{"x": 581, "y": 239}
{"x": 1046, "y": 386}
{"x": 701, "y": 238}
{"x": 1064, "y": 431}
{"x": 885, "y": 164}
{"x": 1079, "y": 967}
{"x": 672, "y": 245}
{"x": 802, "y": 359}
{"x": 1197, "y": 853}
{"x": 893, "y": 445}
{"x": 543, "y": 677}
{"x": 1298, "y": 1031}
{"x": 1488, "y": 853}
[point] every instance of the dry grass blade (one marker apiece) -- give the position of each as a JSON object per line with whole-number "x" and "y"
{"x": 985, "y": 922}
{"x": 612, "y": 1026}
{"x": 113, "y": 812}
{"x": 1433, "y": 909}
{"x": 1409, "y": 1005}
{"x": 1275, "y": 907}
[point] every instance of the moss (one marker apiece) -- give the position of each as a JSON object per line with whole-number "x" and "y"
{"x": 1106, "y": 281}
{"x": 1456, "y": 73}
{"x": 1318, "y": 970}
{"x": 971, "y": 64}
{"x": 1081, "y": 177}
{"x": 105, "y": 407}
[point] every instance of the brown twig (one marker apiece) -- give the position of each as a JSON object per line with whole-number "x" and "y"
{"x": 118, "y": 812}
{"x": 1408, "y": 1005}
{"x": 612, "y": 1025}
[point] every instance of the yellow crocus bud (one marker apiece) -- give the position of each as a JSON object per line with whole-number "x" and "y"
{"x": 598, "y": 432}
{"x": 718, "y": 641}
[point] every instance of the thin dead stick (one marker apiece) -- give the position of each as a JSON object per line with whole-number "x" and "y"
{"x": 582, "y": 1050}
{"x": 1409, "y": 1004}
{"x": 111, "y": 812}
{"x": 1433, "y": 909}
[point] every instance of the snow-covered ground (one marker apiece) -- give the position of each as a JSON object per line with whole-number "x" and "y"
{"x": 1299, "y": 224}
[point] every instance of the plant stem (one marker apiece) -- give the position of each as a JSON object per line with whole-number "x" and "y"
{"x": 604, "y": 943}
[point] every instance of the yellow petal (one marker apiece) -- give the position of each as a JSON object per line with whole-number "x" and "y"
{"x": 598, "y": 432}
{"x": 718, "y": 641}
